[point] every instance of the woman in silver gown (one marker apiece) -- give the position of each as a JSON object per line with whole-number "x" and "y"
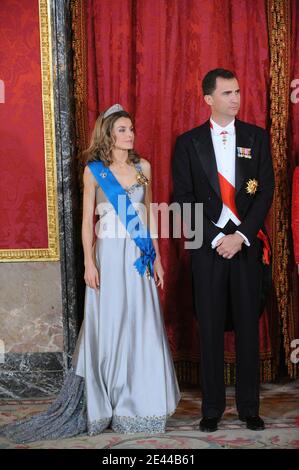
{"x": 122, "y": 374}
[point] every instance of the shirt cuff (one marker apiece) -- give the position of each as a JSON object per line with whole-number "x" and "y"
{"x": 215, "y": 240}
{"x": 245, "y": 238}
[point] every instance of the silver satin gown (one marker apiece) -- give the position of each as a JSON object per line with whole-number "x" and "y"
{"x": 123, "y": 375}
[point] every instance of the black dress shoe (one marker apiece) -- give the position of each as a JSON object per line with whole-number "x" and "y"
{"x": 209, "y": 424}
{"x": 255, "y": 423}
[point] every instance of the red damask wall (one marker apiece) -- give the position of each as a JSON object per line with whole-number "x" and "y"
{"x": 23, "y": 209}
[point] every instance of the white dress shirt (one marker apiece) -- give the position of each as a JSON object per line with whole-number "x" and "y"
{"x": 225, "y": 153}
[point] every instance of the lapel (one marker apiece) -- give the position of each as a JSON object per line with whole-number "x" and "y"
{"x": 205, "y": 150}
{"x": 244, "y": 138}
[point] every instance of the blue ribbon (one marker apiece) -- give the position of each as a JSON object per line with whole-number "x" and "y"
{"x": 129, "y": 217}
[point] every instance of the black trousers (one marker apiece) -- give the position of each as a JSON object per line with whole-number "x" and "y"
{"x": 223, "y": 287}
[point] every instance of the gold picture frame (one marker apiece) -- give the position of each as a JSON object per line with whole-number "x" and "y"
{"x": 52, "y": 252}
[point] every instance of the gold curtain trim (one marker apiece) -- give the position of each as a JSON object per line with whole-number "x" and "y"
{"x": 78, "y": 12}
{"x": 188, "y": 372}
{"x": 279, "y": 24}
{"x": 79, "y": 45}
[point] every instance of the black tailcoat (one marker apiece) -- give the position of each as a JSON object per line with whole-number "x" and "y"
{"x": 223, "y": 286}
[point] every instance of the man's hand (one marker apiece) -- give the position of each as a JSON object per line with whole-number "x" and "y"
{"x": 229, "y": 245}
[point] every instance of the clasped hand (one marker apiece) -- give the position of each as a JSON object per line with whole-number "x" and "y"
{"x": 229, "y": 245}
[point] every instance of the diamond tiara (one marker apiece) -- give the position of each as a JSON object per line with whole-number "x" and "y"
{"x": 113, "y": 109}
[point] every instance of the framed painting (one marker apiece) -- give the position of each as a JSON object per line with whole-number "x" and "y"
{"x": 28, "y": 178}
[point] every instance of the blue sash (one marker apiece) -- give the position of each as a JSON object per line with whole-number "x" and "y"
{"x": 138, "y": 233}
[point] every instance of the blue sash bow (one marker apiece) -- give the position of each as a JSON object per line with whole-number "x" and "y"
{"x": 137, "y": 231}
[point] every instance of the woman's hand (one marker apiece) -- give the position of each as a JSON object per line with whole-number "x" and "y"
{"x": 91, "y": 276}
{"x": 158, "y": 273}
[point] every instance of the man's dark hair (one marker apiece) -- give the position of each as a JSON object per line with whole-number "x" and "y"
{"x": 209, "y": 81}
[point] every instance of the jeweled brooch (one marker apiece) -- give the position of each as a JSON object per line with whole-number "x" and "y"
{"x": 251, "y": 186}
{"x": 142, "y": 179}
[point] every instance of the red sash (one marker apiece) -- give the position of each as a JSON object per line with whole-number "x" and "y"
{"x": 228, "y": 198}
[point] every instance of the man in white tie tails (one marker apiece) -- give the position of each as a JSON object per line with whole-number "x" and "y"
{"x": 226, "y": 165}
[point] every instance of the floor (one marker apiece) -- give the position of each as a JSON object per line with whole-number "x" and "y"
{"x": 279, "y": 408}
